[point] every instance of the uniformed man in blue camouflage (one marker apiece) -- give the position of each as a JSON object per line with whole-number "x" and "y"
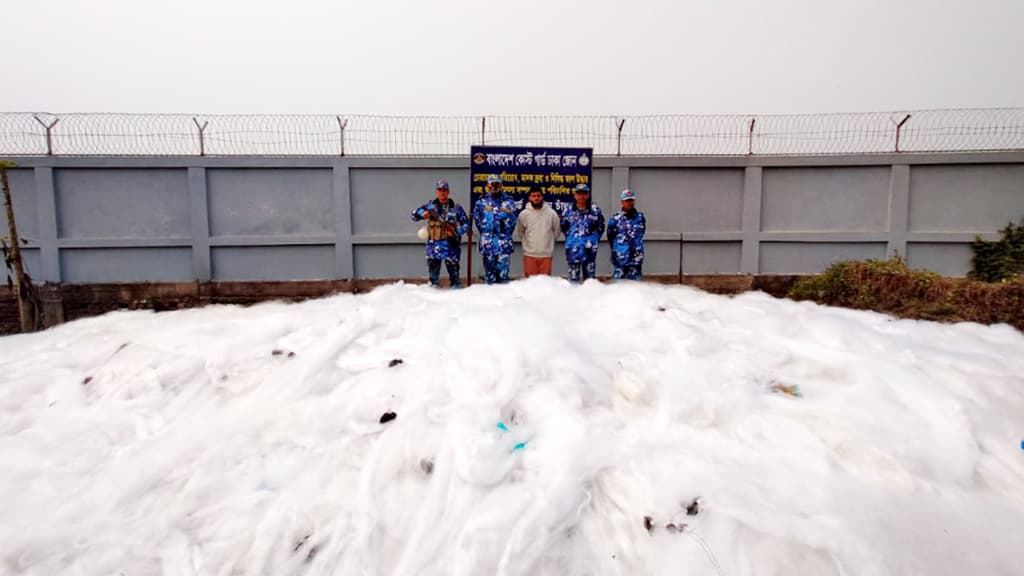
{"x": 446, "y": 223}
{"x": 626, "y": 231}
{"x": 495, "y": 215}
{"x": 583, "y": 225}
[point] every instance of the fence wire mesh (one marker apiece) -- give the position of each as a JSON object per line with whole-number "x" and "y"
{"x": 359, "y": 135}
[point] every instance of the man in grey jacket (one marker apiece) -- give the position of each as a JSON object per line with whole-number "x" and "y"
{"x": 537, "y": 227}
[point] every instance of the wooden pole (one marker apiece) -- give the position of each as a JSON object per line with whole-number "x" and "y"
{"x": 26, "y": 311}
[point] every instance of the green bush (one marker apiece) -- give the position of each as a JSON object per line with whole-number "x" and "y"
{"x": 999, "y": 260}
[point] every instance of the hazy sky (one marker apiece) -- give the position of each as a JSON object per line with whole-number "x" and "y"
{"x": 510, "y": 57}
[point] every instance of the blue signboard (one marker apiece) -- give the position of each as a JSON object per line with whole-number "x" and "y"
{"x": 556, "y": 171}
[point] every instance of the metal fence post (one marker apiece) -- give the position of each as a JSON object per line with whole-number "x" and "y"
{"x": 341, "y": 127}
{"x": 202, "y": 135}
{"x": 750, "y": 137}
{"x": 618, "y": 139}
{"x": 898, "y": 128}
{"x": 49, "y": 133}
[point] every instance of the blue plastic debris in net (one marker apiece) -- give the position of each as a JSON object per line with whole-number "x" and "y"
{"x": 519, "y": 445}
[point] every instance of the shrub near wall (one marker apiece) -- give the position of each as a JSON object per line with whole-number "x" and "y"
{"x": 999, "y": 260}
{"x": 888, "y": 286}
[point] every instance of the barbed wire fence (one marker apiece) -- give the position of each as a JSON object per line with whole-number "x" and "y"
{"x": 76, "y": 134}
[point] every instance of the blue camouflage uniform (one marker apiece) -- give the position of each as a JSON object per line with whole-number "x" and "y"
{"x": 626, "y": 236}
{"x": 448, "y": 250}
{"x": 495, "y": 215}
{"x": 583, "y": 230}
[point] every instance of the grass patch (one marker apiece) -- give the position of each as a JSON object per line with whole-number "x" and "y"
{"x": 890, "y": 287}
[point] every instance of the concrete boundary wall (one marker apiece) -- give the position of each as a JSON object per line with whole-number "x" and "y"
{"x": 120, "y": 219}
